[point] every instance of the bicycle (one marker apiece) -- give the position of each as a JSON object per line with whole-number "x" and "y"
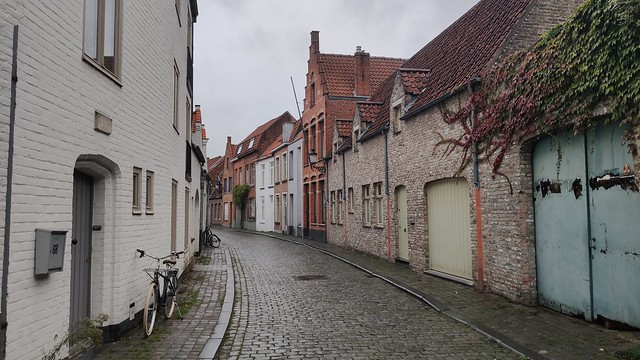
{"x": 167, "y": 299}
{"x": 211, "y": 239}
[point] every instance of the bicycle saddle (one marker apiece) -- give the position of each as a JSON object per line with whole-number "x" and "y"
{"x": 169, "y": 261}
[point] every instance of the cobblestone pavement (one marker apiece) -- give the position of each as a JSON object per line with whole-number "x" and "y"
{"x": 293, "y": 302}
{"x": 186, "y": 338}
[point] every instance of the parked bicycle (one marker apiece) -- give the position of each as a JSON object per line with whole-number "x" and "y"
{"x": 156, "y": 299}
{"x": 211, "y": 239}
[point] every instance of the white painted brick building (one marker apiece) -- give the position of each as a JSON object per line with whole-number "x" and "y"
{"x": 122, "y": 117}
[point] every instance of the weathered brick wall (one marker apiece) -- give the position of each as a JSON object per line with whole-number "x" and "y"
{"x": 58, "y": 94}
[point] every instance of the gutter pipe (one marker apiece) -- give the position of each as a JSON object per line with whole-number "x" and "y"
{"x": 7, "y": 214}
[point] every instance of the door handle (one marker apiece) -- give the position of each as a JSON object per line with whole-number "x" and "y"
{"x": 592, "y": 243}
{"x": 74, "y": 242}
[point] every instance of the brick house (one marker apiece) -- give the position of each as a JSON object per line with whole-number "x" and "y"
{"x": 214, "y": 171}
{"x": 244, "y": 164}
{"x": 103, "y": 152}
{"x": 228, "y": 211}
{"x": 399, "y": 193}
{"x": 334, "y": 84}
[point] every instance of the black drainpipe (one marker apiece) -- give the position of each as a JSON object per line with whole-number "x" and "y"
{"x": 7, "y": 214}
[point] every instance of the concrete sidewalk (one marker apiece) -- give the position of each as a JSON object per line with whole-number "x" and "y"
{"x": 534, "y": 332}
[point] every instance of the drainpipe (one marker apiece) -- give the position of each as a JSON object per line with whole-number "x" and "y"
{"x": 387, "y": 192}
{"x": 7, "y": 214}
{"x": 344, "y": 191}
{"x": 476, "y": 185}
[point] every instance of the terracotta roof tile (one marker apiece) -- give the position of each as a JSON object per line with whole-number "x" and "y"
{"x": 346, "y": 144}
{"x": 344, "y": 127}
{"x": 213, "y": 162}
{"x": 414, "y": 80}
{"x": 457, "y": 55}
{"x": 267, "y": 153}
{"x": 369, "y": 110}
{"x": 257, "y": 135}
{"x": 340, "y": 72}
{"x": 297, "y": 127}
{"x": 463, "y": 50}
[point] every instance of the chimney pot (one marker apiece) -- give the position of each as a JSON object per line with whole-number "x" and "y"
{"x": 358, "y": 48}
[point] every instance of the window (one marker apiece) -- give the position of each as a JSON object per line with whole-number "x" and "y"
{"x": 285, "y": 168}
{"x": 176, "y": 94}
{"x": 262, "y": 209}
{"x": 276, "y": 216}
{"x": 284, "y": 211}
{"x": 333, "y": 206}
{"x": 313, "y": 138}
{"x": 350, "y": 199}
{"x": 356, "y": 136}
{"x": 186, "y": 217}
{"x": 312, "y": 94}
{"x": 188, "y": 121}
{"x": 322, "y": 202}
{"x": 149, "y": 193}
{"x": 102, "y": 34}
{"x": 246, "y": 175}
{"x": 137, "y": 196}
{"x": 252, "y": 208}
{"x": 251, "y": 143}
{"x": 321, "y": 140}
{"x": 239, "y": 149}
{"x": 277, "y": 169}
{"x": 395, "y": 117}
{"x": 262, "y": 176}
{"x": 340, "y": 208}
{"x": 290, "y": 171}
{"x": 253, "y": 174}
{"x": 174, "y": 214}
{"x": 313, "y": 208}
{"x": 226, "y": 211}
{"x": 366, "y": 205}
{"x": 224, "y": 186}
{"x": 270, "y": 173}
{"x": 377, "y": 190}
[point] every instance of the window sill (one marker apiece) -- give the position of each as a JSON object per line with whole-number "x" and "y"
{"x": 366, "y": 225}
{"x": 187, "y": 177}
{"x": 176, "y": 129}
{"x": 96, "y": 65}
{"x": 149, "y": 212}
{"x": 136, "y": 212}
{"x": 284, "y": 181}
{"x": 351, "y": 211}
{"x": 379, "y": 226}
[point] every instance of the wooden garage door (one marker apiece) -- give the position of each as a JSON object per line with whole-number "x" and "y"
{"x": 449, "y": 227}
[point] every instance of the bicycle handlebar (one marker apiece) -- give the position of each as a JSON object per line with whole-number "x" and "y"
{"x": 173, "y": 253}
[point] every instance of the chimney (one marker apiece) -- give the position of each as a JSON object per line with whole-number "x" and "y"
{"x": 228, "y": 140}
{"x": 287, "y": 128}
{"x": 315, "y": 44}
{"x": 363, "y": 72}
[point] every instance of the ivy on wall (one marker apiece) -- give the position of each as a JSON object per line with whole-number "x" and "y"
{"x": 591, "y": 60}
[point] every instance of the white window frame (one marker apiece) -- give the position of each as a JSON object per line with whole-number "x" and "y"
{"x": 350, "y": 200}
{"x": 98, "y": 59}
{"x": 377, "y": 189}
{"x": 333, "y": 206}
{"x": 276, "y": 215}
{"x": 340, "y": 209}
{"x": 149, "y": 193}
{"x": 277, "y": 170}
{"x": 285, "y": 172}
{"x": 136, "y": 203}
{"x": 366, "y": 205}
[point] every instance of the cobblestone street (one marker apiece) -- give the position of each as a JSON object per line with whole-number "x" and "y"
{"x": 294, "y": 302}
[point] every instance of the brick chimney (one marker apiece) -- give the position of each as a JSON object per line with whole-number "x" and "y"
{"x": 363, "y": 73}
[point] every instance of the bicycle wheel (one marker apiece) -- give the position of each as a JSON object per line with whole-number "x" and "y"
{"x": 215, "y": 240}
{"x": 209, "y": 238}
{"x": 150, "y": 309}
{"x": 170, "y": 292}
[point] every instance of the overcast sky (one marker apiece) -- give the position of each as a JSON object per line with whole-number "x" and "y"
{"x": 246, "y": 51}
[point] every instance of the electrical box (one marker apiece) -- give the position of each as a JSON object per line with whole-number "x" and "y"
{"x": 49, "y": 250}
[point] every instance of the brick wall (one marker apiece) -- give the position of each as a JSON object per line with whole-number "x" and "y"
{"x": 58, "y": 95}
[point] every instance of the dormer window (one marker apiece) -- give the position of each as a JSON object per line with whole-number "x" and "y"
{"x": 356, "y": 136}
{"x": 396, "y": 114}
{"x": 251, "y": 143}
{"x": 239, "y": 149}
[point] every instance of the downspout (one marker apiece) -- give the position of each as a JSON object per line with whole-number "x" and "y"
{"x": 344, "y": 188}
{"x": 7, "y": 214}
{"x": 387, "y": 192}
{"x": 476, "y": 185}
{"x": 324, "y": 203}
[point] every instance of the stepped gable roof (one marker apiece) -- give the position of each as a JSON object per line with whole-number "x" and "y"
{"x": 340, "y": 72}
{"x": 462, "y": 51}
{"x": 344, "y": 127}
{"x": 255, "y": 141}
{"x": 369, "y": 110}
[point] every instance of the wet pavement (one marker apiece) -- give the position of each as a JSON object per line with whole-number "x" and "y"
{"x": 297, "y": 298}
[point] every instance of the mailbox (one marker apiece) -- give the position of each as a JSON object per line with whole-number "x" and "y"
{"x": 49, "y": 251}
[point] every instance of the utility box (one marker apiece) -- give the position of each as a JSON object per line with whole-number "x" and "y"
{"x": 49, "y": 251}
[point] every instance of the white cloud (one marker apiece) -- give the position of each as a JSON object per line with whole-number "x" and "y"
{"x": 246, "y": 50}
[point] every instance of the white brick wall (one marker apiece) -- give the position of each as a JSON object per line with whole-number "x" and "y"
{"x": 57, "y": 96}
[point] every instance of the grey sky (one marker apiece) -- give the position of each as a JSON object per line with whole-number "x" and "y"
{"x": 245, "y": 51}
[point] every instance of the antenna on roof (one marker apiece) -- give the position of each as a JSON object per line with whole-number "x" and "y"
{"x": 295, "y": 97}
